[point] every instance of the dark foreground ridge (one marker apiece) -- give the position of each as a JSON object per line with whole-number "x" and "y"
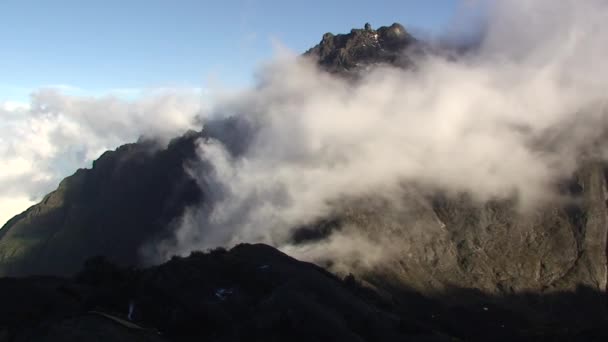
{"x": 254, "y": 293}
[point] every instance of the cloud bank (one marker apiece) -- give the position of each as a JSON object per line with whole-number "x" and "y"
{"x": 507, "y": 119}
{"x": 53, "y": 135}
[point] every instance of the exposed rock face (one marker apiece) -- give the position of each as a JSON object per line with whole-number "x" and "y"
{"x": 361, "y": 47}
{"x": 473, "y": 255}
{"x": 494, "y": 248}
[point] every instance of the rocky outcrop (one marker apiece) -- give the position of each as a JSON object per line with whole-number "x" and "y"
{"x": 436, "y": 244}
{"x": 454, "y": 242}
{"x": 343, "y": 53}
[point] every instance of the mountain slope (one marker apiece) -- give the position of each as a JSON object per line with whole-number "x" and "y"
{"x": 129, "y": 196}
{"x": 454, "y": 241}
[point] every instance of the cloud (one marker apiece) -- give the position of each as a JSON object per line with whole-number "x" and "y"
{"x": 12, "y": 106}
{"x": 49, "y": 138}
{"x": 505, "y": 121}
{"x": 12, "y": 205}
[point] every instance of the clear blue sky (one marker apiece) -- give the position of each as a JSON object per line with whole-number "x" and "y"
{"x": 99, "y": 45}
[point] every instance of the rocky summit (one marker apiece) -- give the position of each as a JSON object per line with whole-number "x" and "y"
{"x": 463, "y": 270}
{"x": 343, "y": 53}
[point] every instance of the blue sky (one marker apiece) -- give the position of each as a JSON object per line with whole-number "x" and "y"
{"x": 92, "y": 47}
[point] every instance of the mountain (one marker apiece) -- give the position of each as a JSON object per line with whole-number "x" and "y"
{"x": 547, "y": 266}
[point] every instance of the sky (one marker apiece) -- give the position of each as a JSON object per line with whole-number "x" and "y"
{"x": 119, "y": 47}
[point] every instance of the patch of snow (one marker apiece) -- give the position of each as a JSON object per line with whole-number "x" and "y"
{"x": 131, "y": 309}
{"x": 222, "y": 294}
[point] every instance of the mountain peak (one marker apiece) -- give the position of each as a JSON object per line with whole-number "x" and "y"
{"x": 344, "y": 52}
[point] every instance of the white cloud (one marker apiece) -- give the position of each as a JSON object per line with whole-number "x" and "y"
{"x": 11, "y": 106}
{"x": 49, "y": 138}
{"x": 506, "y": 121}
{"x": 12, "y": 205}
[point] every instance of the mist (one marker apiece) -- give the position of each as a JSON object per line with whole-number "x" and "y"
{"x": 55, "y": 134}
{"x": 516, "y": 113}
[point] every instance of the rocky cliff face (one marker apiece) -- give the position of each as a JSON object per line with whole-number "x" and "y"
{"x": 453, "y": 243}
{"x": 442, "y": 244}
{"x": 448, "y": 241}
{"x": 344, "y": 53}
